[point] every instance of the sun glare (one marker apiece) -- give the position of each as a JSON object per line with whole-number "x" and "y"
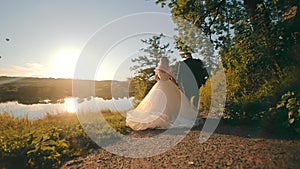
{"x": 70, "y": 105}
{"x": 64, "y": 63}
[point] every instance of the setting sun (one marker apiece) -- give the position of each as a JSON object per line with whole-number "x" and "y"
{"x": 64, "y": 63}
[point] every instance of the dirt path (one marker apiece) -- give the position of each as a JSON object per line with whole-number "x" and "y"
{"x": 228, "y": 147}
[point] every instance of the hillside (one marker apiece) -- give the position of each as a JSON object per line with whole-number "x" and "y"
{"x": 35, "y": 90}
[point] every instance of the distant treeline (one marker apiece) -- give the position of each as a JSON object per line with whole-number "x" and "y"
{"x": 36, "y": 90}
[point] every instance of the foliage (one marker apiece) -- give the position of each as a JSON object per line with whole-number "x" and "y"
{"x": 191, "y": 39}
{"x": 152, "y": 53}
{"x": 144, "y": 78}
{"x": 116, "y": 120}
{"x": 212, "y": 95}
{"x": 205, "y": 97}
{"x": 142, "y": 83}
{"x": 258, "y": 42}
{"x": 49, "y": 147}
{"x": 219, "y": 19}
{"x": 285, "y": 116}
{"x": 46, "y": 143}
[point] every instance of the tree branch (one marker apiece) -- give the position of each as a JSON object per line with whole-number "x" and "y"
{"x": 219, "y": 6}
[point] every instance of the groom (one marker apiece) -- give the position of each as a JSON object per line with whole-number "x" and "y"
{"x": 191, "y": 76}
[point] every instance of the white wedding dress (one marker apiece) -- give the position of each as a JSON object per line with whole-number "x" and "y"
{"x": 165, "y": 106}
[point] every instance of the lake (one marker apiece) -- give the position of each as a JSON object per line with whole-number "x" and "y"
{"x": 70, "y": 105}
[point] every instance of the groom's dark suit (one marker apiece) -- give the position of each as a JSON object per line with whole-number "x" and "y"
{"x": 190, "y": 77}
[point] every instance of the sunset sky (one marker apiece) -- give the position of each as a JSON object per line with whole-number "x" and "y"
{"x": 45, "y": 38}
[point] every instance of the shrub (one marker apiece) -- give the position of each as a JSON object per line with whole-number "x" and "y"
{"x": 48, "y": 142}
{"x": 142, "y": 83}
{"x": 47, "y": 149}
{"x": 213, "y": 95}
{"x": 284, "y": 118}
{"x": 205, "y": 98}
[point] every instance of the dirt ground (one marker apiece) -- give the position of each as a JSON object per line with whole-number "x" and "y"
{"x": 228, "y": 147}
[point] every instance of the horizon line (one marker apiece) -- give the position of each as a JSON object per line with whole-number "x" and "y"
{"x": 57, "y": 78}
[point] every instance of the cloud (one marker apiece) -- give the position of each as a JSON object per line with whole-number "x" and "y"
{"x": 26, "y": 70}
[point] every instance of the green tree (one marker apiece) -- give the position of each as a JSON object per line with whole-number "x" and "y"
{"x": 258, "y": 42}
{"x": 152, "y": 53}
{"x": 192, "y": 39}
{"x": 145, "y": 64}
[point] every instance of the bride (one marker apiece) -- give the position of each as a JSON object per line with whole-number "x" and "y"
{"x": 165, "y": 106}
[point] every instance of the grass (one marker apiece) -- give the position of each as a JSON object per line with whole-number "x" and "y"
{"x": 49, "y": 142}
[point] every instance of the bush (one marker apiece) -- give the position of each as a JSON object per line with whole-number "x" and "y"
{"x": 245, "y": 107}
{"x": 213, "y": 95}
{"x": 142, "y": 84}
{"x": 46, "y": 143}
{"x": 205, "y": 97}
{"x": 284, "y": 118}
{"x": 48, "y": 148}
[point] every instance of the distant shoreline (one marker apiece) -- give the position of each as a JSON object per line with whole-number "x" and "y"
{"x": 34, "y": 90}
{"x": 69, "y": 105}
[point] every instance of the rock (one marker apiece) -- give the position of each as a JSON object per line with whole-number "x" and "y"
{"x": 191, "y": 163}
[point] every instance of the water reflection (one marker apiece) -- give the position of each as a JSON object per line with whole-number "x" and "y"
{"x": 70, "y": 105}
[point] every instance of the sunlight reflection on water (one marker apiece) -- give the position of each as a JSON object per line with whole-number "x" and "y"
{"x": 70, "y": 105}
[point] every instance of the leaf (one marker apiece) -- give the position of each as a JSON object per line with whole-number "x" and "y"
{"x": 279, "y": 105}
{"x": 290, "y": 114}
{"x": 291, "y": 121}
{"x": 291, "y": 103}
